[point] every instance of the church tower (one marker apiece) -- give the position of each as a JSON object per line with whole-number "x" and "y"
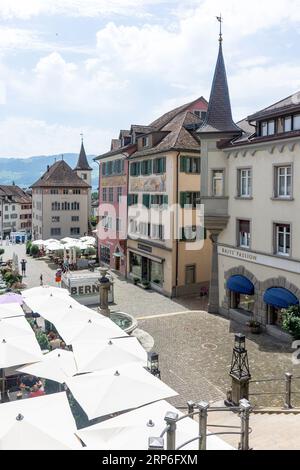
{"x": 84, "y": 171}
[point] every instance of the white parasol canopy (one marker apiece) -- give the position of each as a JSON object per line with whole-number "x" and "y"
{"x": 131, "y": 431}
{"x": 56, "y": 365}
{"x": 111, "y": 390}
{"x": 15, "y": 326}
{"x": 91, "y": 241}
{"x": 45, "y": 291}
{"x": 42, "y": 423}
{"x": 68, "y": 240}
{"x": 11, "y": 310}
{"x": 99, "y": 355}
{"x": 55, "y": 246}
{"x": 89, "y": 330}
{"x": 39, "y": 243}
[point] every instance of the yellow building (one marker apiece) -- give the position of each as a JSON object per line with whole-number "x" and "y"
{"x": 167, "y": 246}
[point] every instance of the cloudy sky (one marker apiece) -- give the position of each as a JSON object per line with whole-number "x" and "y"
{"x": 95, "y": 66}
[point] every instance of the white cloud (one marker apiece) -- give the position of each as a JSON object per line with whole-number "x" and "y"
{"x": 24, "y": 137}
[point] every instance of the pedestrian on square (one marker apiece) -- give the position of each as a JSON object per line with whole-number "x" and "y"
{"x": 41, "y": 279}
{"x": 23, "y": 267}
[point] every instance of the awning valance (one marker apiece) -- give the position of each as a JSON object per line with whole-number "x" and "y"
{"x": 240, "y": 284}
{"x": 280, "y": 297}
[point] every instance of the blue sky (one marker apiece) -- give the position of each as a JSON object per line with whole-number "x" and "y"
{"x": 96, "y": 66}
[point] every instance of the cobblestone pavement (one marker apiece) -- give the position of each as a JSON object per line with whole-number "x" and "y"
{"x": 195, "y": 347}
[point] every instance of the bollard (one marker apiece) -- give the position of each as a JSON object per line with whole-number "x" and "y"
{"x": 245, "y": 409}
{"x": 155, "y": 443}
{"x": 191, "y": 407}
{"x": 171, "y": 419}
{"x": 288, "y": 390}
{"x": 203, "y": 407}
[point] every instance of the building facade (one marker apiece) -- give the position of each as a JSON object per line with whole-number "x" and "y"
{"x": 61, "y": 202}
{"x": 164, "y": 189}
{"x": 249, "y": 174}
{"x": 15, "y": 210}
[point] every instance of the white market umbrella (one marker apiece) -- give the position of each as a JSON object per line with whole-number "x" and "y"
{"x": 88, "y": 240}
{"x": 131, "y": 431}
{"x": 111, "y": 390}
{"x": 89, "y": 330}
{"x": 74, "y": 255}
{"x": 55, "y": 308}
{"x": 99, "y": 355}
{"x": 42, "y": 423}
{"x": 56, "y": 365}
{"x": 14, "y": 327}
{"x": 16, "y": 350}
{"x": 55, "y": 246}
{"x": 68, "y": 240}
{"x": 11, "y": 310}
{"x": 46, "y": 291}
{"x": 39, "y": 243}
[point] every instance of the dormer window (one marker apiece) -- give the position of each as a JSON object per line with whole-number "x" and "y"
{"x": 296, "y": 122}
{"x": 145, "y": 141}
{"x": 287, "y": 124}
{"x": 268, "y": 128}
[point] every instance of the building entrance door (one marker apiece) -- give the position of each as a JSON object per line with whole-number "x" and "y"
{"x": 117, "y": 263}
{"x": 145, "y": 269}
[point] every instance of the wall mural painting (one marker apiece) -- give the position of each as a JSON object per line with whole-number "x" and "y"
{"x": 155, "y": 184}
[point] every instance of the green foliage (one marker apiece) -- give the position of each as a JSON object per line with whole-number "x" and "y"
{"x": 1, "y": 251}
{"x": 90, "y": 251}
{"x": 42, "y": 339}
{"x": 11, "y": 278}
{"x": 34, "y": 250}
{"x": 28, "y": 247}
{"x": 291, "y": 321}
{"x": 95, "y": 195}
{"x": 93, "y": 221}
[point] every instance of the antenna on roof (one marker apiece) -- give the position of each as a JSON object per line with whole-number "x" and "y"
{"x": 220, "y": 20}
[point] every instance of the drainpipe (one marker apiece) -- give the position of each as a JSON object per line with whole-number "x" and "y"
{"x": 176, "y": 224}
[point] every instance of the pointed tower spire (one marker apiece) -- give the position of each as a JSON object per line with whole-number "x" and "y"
{"x": 219, "y": 116}
{"x": 82, "y": 163}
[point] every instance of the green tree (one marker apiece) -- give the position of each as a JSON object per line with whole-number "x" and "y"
{"x": 34, "y": 250}
{"x": 291, "y": 321}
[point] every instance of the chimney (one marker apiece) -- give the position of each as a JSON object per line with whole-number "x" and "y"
{"x": 48, "y": 167}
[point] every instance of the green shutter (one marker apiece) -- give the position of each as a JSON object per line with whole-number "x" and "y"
{"x": 182, "y": 199}
{"x": 149, "y": 167}
{"x": 146, "y": 200}
{"x": 163, "y": 165}
{"x": 183, "y": 164}
{"x": 165, "y": 199}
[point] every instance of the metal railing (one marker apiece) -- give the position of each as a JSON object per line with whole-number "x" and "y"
{"x": 287, "y": 392}
{"x": 201, "y": 410}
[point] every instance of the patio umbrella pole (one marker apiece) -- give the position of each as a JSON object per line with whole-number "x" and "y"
{"x": 2, "y": 385}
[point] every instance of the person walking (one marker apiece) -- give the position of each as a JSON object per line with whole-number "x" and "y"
{"x": 23, "y": 267}
{"x": 41, "y": 280}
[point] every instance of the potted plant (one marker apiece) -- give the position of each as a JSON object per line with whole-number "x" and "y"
{"x": 145, "y": 284}
{"x": 28, "y": 247}
{"x": 255, "y": 326}
{"x": 136, "y": 280}
{"x": 291, "y": 321}
{"x": 34, "y": 250}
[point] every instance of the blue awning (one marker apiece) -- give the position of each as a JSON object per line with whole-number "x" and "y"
{"x": 240, "y": 284}
{"x": 280, "y": 297}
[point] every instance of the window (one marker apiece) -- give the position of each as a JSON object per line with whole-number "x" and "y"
{"x": 190, "y": 274}
{"x": 218, "y": 183}
{"x": 244, "y": 235}
{"x": 111, "y": 194}
{"x": 75, "y": 206}
{"x": 104, "y": 194}
{"x": 245, "y": 182}
{"x": 145, "y": 229}
{"x": 13, "y": 208}
{"x": 75, "y": 218}
{"x": 287, "y": 127}
{"x": 132, "y": 199}
{"x": 282, "y": 239}
{"x": 189, "y": 198}
{"x": 135, "y": 169}
{"x": 104, "y": 254}
{"x": 268, "y": 128}
{"x": 296, "y": 122}
{"x": 146, "y": 167}
{"x": 65, "y": 206}
{"x": 65, "y": 191}
{"x": 6, "y": 216}
{"x": 55, "y": 218}
{"x": 193, "y": 233}
{"x": 76, "y": 191}
{"x": 103, "y": 165}
{"x": 145, "y": 141}
{"x": 75, "y": 231}
{"x": 55, "y": 206}
{"x": 133, "y": 226}
{"x": 159, "y": 200}
{"x": 283, "y": 181}
{"x": 159, "y": 165}
{"x": 13, "y": 216}
{"x": 84, "y": 176}
{"x": 190, "y": 165}
{"x": 119, "y": 193}
{"x": 6, "y": 208}
{"x": 107, "y": 222}
{"x": 55, "y": 231}
{"x": 146, "y": 200}
{"x": 135, "y": 265}
{"x": 53, "y": 191}
{"x": 157, "y": 232}
{"x": 118, "y": 224}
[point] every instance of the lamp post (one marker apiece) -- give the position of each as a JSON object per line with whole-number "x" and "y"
{"x": 105, "y": 285}
{"x": 153, "y": 364}
{"x": 239, "y": 371}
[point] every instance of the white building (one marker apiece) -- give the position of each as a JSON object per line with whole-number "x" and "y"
{"x": 15, "y": 210}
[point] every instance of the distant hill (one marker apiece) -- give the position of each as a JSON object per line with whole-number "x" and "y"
{"x": 25, "y": 171}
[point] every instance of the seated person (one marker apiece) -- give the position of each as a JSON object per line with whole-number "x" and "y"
{"x": 29, "y": 381}
{"x": 55, "y": 342}
{"x": 36, "y": 392}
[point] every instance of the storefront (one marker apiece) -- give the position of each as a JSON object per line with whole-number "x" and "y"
{"x": 146, "y": 269}
{"x": 276, "y": 299}
{"x": 241, "y": 294}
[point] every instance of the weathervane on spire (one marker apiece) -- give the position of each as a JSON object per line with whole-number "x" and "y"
{"x": 81, "y": 137}
{"x": 220, "y": 20}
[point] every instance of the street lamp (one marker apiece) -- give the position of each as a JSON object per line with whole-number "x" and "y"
{"x": 239, "y": 371}
{"x": 153, "y": 364}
